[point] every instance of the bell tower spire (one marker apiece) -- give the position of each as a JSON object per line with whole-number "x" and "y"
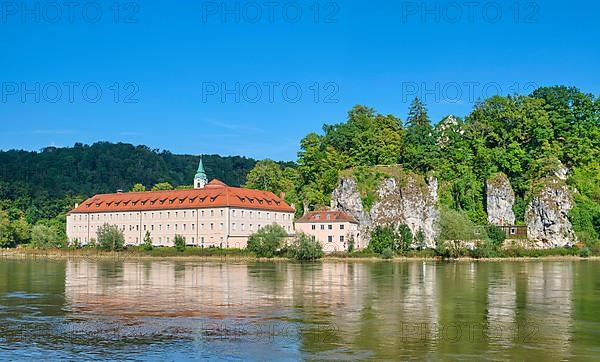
{"x": 200, "y": 180}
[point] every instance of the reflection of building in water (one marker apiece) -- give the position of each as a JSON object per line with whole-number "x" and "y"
{"x": 159, "y": 287}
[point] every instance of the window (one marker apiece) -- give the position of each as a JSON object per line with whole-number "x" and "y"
{"x": 221, "y": 212}
{"x": 193, "y": 240}
{"x": 243, "y": 227}
{"x": 212, "y": 212}
{"x": 330, "y": 227}
{"x": 168, "y": 226}
{"x": 341, "y": 238}
{"x": 220, "y": 226}
{"x": 212, "y": 226}
{"x": 159, "y": 227}
{"x": 328, "y": 216}
{"x": 318, "y": 217}
{"x": 250, "y": 226}
{"x": 330, "y": 239}
{"x": 342, "y": 227}
{"x": 268, "y": 215}
{"x": 513, "y": 231}
{"x": 202, "y": 213}
{"x": 183, "y": 227}
{"x": 193, "y": 227}
{"x": 201, "y": 226}
{"x": 314, "y": 227}
{"x": 233, "y": 226}
{"x": 175, "y": 227}
{"x": 322, "y": 227}
{"x": 152, "y": 227}
{"x": 233, "y": 213}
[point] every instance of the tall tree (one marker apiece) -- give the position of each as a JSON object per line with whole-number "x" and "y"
{"x": 421, "y": 151}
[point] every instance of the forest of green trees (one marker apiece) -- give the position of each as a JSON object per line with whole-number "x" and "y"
{"x": 525, "y": 137}
{"x": 39, "y": 188}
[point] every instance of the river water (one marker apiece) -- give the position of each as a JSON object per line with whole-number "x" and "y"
{"x": 240, "y": 310}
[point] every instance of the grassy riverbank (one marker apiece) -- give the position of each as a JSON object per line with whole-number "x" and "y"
{"x": 242, "y": 254}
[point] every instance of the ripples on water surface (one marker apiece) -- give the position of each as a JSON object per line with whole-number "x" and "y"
{"x": 174, "y": 310}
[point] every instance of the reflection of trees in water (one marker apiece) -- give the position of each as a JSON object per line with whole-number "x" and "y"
{"x": 270, "y": 277}
{"x": 31, "y": 298}
{"x": 586, "y": 287}
{"x": 462, "y": 297}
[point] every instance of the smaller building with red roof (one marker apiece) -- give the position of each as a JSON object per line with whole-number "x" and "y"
{"x": 335, "y": 230}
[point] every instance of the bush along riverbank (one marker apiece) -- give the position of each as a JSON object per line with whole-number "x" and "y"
{"x": 272, "y": 241}
{"x": 298, "y": 253}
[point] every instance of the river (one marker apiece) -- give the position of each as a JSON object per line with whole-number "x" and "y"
{"x": 243, "y": 310}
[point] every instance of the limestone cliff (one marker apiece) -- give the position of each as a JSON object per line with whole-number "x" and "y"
{"x": 500, "y": 198}
{"x": 546, "y": 215}
{"x": 400, "y": 199}
{"x": 346, "y": 198}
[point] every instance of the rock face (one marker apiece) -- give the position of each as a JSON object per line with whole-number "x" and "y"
{"x": 546, "y": 216}
{"x": 410, "y": 201}
{"x": 346, "y": 198}
{"x": 500, "y": 200}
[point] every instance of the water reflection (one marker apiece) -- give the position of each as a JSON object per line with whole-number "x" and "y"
{"x": 280, "y": 310}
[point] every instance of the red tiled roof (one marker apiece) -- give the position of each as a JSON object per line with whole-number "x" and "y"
{"x": 215, "y": 194}
{"x": 327, "y": 216}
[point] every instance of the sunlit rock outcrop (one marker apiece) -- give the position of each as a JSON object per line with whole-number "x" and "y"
{"x": 546, "y": 216}
{"x": 404, "y": 198}
{"x": 500, "y": 198}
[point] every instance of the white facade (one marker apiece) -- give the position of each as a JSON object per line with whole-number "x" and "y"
{"x": 227, "y": 227}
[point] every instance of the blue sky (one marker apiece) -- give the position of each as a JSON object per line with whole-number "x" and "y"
{"x": 252, "y": 78}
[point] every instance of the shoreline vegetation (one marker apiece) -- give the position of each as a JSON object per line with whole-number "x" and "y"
{"x": 192, "y": 254}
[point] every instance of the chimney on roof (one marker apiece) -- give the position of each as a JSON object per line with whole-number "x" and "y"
{"x": 119, "y": 191}
{"x": 76, "y": 205}
{"x": 282, "y": 195}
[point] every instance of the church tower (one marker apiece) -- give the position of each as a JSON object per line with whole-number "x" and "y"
{"x": 200, "y": 179}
